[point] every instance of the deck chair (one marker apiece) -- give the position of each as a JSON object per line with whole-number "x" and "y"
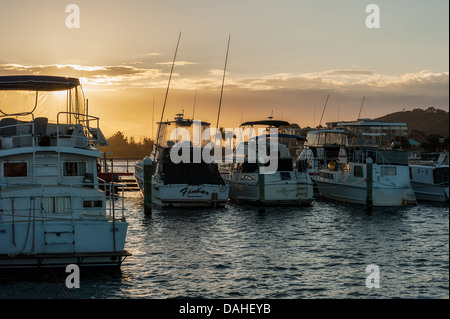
{"x": 40, "y": 130}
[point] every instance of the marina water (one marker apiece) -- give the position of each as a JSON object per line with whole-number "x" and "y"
{"x": 317, "y": 251}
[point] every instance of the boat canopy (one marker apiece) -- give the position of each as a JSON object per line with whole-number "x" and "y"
{"x": 37, "y": 83}
{"x": 40, "y": 95}
{"x": 276, "y": 123}
{"x": 282, "y": 135}
{"x": 187, "y": 129}
{"x": 320, "y": 138}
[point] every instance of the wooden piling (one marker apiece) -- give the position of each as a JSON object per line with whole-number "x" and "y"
{"x": 369, "y": 182}
{"x": 148, "y": 172}
{"x": 214, "y": 200}
{"x": 261, "y": 185}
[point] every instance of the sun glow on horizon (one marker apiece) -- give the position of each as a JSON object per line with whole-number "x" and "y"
{"x": 283, "y": 57}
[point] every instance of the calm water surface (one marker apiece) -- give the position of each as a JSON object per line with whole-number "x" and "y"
{"x": 320, "y": 251}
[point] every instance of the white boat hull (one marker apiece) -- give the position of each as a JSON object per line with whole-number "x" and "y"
{"x": 34, "y": 242}
{"x": 295, "y": 191}
{"x": 183, "y": 195}
{"x": 435, "y": 193}
{"x": 357, "y": 194}
{"x": 430, "y": 181}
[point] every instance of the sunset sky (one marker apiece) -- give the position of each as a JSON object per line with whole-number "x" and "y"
{"x": 285, "y": 56}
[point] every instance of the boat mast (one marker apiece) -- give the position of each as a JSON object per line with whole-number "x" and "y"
{"x": 324, "y": 109}
{"x": 167, "y": 91}
{"x": 195, "y": 100}
{"x": 359, "y": 114}
{"x": 223, "y": 81}
{"x": 360, "y": 108}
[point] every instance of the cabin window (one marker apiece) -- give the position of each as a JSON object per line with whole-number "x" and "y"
{"x": 57, "y": 205}
{"x": 74, "y": 169}
{"x": 92, "y": 204}
{"x": 358, "y": 171}
{"x": 440, "y": 175}
{"x": 388, "y": 171}
{"x": 15, "y": 169}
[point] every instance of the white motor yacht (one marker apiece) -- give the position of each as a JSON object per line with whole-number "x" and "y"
{"x": 191, "y": 183}
{"x": 429, "y": 177}
{"x": 347, "y": 179}
{"x": 285, "y": 185}
{"x": 52, "y": 212}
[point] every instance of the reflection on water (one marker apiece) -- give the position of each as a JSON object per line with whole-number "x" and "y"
{"x": 320, "y": 251}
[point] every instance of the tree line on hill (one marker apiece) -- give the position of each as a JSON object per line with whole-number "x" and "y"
{"x": 429, "y": 127}
{"x": 120, "y": 146}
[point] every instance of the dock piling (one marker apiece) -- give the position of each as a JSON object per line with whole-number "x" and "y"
{"x": 148, "y": 172}
{"x": 261, "y": 185}
{"x": 369, "y": 182}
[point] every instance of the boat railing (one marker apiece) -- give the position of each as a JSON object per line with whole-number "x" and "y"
{"x": 78, "y": 126}
{"x": 379, "y": 156}
{"x": 118, "y": 165}
{"x": 114, "y": 204}
{"x": 83, "y": 132}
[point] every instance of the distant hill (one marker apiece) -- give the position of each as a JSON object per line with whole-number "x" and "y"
{"x": 421, "y": 123}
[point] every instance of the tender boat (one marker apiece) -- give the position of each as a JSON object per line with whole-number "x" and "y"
{"x": 191, "y": 183}
{"x": 52, "y": 211}
{"x": 283, "y": 186}
{"x": 430, "y": 177}
{"x": 347, "y": 179}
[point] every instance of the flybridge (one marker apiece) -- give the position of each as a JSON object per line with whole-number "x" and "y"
{"x": 35, "y": 113}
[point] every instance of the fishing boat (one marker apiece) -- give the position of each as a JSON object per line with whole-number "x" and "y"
{"x": 285, "y": 185}
{"x": 430, "y": 177}
{"x": 52, "y": 212}
{"x": 348, "y": 179}
{"x": 192, "y": 182}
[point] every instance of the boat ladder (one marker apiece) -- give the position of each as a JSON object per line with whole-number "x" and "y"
{"x": 46, "y": 165}
{"x": 59, "y": 233}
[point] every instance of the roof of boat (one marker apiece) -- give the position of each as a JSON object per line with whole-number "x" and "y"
{"x": 327, "y": 131}
{"x": 180, "y": 121}
{"x": 37, "y": 82}
{"x": 276, "y": 123}
{"x": 280, "y": 135}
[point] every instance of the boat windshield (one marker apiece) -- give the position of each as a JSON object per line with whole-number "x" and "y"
{"x": 323, "y": 138}
{"x": 44, "y": 104}
{"x": 172, "y": 132}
